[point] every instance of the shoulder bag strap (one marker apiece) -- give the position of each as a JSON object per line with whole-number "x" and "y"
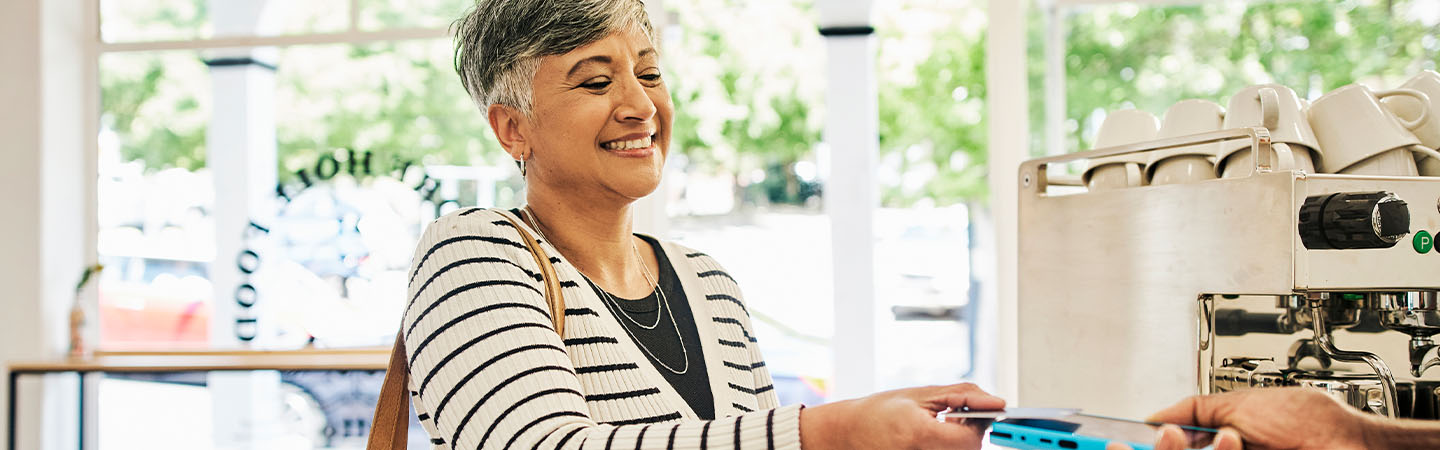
{"x": 553, "y": 296}
{"x": 390, "y": 427}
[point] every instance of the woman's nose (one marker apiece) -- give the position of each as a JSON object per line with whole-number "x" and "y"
{"x": 635, "y": 104}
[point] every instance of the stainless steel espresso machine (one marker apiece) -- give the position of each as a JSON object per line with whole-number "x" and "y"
{"x": 1131, "y": 299}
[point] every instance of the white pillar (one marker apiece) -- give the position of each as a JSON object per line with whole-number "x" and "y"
{"x": 649, "y": 214}
{"x": 241, "y": 156}
{"x": 852, "y": 135}
{"x": 1007, "y": 101}
{"x": 47, "y": 94}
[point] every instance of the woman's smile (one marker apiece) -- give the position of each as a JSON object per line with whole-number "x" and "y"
{"x": 634, "y": 145}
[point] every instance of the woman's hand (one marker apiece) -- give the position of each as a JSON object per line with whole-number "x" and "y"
{"x": 899, "y": 419}
{"x": 1279, "y": 418}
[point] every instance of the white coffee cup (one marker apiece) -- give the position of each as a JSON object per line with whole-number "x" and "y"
{"x": 1278, "y": 109}
{"x": 1127, "y": 126}
{"x": 1182, "y": 169}
{"x": 1353, "y": 128}
{"x": 1113, "y": 176}
{"x": 1190, "y": 163}
{"x": 1409, "y": 108}
{"x": 1122, "y": 127}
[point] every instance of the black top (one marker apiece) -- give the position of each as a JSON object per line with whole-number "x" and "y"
{"x": 662, "y": 341}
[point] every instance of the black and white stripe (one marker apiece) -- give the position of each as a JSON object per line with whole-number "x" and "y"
{"x": 488, "y": 371}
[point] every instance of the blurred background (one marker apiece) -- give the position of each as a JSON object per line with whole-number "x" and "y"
{"x": 262, "y": 170}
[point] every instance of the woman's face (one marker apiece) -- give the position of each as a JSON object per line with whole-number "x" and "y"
{"x": 600, "y": 120}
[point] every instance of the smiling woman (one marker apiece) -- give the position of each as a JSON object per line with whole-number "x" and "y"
{"x": 657, "y": 349}
{"x": 605, "y": 115}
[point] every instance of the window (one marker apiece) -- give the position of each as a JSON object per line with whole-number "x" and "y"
{"x": 933, "y": 181}
{"x": 742, "y": 182}
{"x": 351, "y": 135}
{"x": 371, "y": 142}
{"x": 157, "y": 236}
{"x": 749, "y": 187}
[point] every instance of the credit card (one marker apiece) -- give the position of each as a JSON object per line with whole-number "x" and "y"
{"x": 1014, "y": 413}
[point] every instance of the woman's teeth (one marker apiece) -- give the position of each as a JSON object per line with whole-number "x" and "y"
{"x": 627, "y": 145}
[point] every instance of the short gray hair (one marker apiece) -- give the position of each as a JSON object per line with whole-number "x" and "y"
{"x": 499, "y": 43}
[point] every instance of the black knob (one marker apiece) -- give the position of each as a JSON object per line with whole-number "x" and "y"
{"x": 1351, "y": 220}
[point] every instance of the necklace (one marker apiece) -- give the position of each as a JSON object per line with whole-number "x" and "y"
{"x": 534, "y": 221}
{"x": 606, "y": 294}
{"x": 660, "y": 294}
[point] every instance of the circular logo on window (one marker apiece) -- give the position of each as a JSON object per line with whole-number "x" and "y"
{"x": 330, "y": 264}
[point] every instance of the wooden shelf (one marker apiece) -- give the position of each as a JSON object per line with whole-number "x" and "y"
{"x": 377, "y": 358}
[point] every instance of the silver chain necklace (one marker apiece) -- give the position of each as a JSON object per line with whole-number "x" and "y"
{"x": 658, "y": 303}
{"x": 613, "y": 304}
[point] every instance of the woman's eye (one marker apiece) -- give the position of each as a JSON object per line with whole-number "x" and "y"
{"x": 651, "y": 77}
{"x": 596, "y": 85}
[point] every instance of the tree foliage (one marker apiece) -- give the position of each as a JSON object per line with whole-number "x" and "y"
{"x": 746, "y": 100}
{"x": 157, "y": 105}
{"x": 932, "y": 102}
{"x": 397, "y": 99}
{"x": 747, "y": 79}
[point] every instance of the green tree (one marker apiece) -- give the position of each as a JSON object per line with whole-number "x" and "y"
{"x": 932, "y": 108}
{"x": 746, "y": 101}
{"x": 158, "y": 106}
{"x": 398, "y": 99}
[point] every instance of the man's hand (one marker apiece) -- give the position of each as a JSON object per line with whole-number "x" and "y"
{"x": 1280, "y": 418}
{"x": 1172, "y": 437}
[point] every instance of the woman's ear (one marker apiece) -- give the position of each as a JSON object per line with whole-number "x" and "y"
{"x": 506, "y": 122}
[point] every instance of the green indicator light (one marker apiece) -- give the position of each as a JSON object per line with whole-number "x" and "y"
{"x": 1423, "y": 241}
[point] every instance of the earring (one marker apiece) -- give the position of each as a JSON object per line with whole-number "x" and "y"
{"x": 521, "y": 162}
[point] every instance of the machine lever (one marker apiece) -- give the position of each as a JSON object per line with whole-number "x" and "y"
{"x": 1322, "y": 340}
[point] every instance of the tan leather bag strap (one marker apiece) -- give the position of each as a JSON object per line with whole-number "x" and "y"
{"x": 553, "y": 296}
{"x": 389, "y": 430}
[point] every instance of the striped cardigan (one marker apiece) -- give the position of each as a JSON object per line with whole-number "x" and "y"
{"x": 488, "y": 371}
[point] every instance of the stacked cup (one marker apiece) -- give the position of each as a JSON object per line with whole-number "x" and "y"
{"x": 1361, "y": 137}
{"x": 1278, "y": 109}
{"x": 1362, "y": 132}
{"x": 1122, "y": 127}
{"x": 1190, "y": 163}
{"x": 1427, "y": 126}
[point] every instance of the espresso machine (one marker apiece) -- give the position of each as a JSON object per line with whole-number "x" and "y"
{"x": 1131, "y": 299}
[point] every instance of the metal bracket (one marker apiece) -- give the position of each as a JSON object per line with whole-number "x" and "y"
{"x": 1032, "y": 172}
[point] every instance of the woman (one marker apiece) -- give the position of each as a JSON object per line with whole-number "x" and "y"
{"x": 657, "y": 350}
